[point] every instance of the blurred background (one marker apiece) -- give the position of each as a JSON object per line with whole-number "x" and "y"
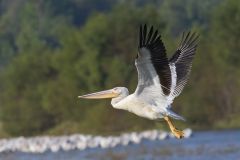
{"x": 52, "y": 51}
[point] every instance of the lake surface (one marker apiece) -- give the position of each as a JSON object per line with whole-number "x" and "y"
{"x": 212, "y": 145}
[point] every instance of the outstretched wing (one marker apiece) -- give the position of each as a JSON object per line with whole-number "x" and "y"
{"x": 154, "y": 75}
{"x": 181, "y": 63}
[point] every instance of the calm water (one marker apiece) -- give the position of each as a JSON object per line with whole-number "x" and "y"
{"x": 224, "y": 145}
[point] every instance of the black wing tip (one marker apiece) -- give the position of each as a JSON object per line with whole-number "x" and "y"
{"x": 143, "y": 25}
{"x": 188, "y": 43}
{"x": 142, "y": 34}
{"x": 147, "y": 36}
{"x": 189, "y": 39}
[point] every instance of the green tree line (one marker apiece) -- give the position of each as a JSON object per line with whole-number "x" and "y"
{"x": 51, "y": 52}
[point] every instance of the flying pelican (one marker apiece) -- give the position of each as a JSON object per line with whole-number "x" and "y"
{"x": 160, "y": 79}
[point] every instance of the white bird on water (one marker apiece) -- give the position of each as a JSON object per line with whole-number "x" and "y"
{"x": 160, "y": 79}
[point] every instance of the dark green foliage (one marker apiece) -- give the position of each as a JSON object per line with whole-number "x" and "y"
{"x": 52, "y": 52}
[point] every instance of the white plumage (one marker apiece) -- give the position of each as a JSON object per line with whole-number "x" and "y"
{"x": 160, "y": 79}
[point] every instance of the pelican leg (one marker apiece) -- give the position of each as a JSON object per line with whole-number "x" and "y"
{"x": 177, "y": 133}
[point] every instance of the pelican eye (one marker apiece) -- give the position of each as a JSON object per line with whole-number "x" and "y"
{"x": 116, "y": 90}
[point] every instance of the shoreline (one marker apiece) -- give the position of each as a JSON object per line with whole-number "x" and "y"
{"x": 41, "y": 144}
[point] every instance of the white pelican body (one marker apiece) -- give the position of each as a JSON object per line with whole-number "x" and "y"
{"x": 137, "y": 106}
{"x": 160, "y": 79}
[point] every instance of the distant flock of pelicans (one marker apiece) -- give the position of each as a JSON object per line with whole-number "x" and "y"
{"x": 80, "y": 141}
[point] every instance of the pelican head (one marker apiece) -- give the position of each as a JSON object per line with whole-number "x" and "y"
{"x": 116, "y": 92}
